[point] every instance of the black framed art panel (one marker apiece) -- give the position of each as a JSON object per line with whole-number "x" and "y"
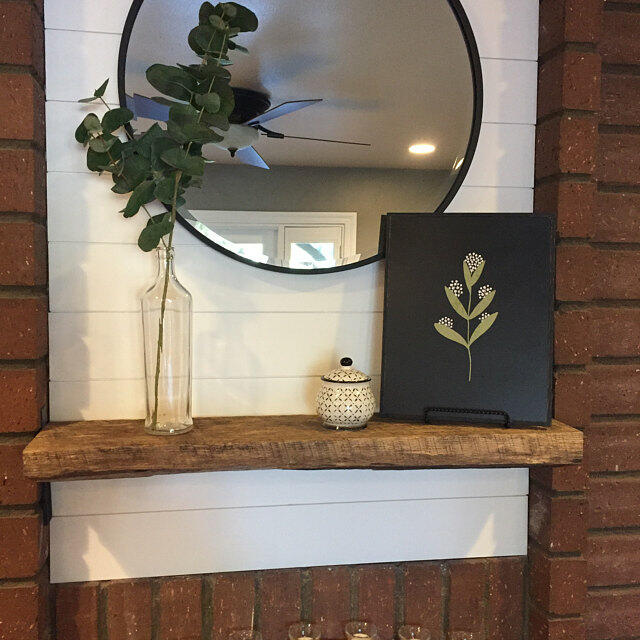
{"x": 468, "y": 317}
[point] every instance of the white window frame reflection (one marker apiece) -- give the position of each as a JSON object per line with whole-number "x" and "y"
{"x": 231, "y": 229}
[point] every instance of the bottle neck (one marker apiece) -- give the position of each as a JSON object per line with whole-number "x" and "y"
{"x": 165, "y": 261}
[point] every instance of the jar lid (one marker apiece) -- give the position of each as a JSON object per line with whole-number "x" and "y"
{"x": 346, "y": 373}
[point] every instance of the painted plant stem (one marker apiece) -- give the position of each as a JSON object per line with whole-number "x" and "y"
{"x": 472, "y": 268}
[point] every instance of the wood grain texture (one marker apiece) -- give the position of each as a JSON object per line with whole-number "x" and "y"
{"x": 105, "y": 449}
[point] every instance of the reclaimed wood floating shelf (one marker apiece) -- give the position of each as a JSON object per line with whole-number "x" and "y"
{"x": 108, "y": 449}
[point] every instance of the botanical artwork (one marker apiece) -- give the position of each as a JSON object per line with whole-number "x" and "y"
{"x": 472, "y": 267}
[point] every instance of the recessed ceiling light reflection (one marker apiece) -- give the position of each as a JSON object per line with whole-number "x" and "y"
{"x": 422, "y": 149}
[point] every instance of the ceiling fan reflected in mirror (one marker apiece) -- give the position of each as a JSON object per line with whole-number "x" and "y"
{"x": 252, "y": 110}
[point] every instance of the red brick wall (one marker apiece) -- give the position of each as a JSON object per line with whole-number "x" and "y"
{"x": 482, "y": 596}
{"x": 588, "y": 170}
{"x": 23, "y": 319}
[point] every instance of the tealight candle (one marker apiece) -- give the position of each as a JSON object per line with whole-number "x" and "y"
{"x": 304, "y": 631}
{"x": 361, "y": 631}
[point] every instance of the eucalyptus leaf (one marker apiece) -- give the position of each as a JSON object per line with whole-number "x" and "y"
{"x": 116, "y": 118}
{"x": 183, "y": 114}
{"x": 192, "y": 132}
{"x": 102, "y": 143}
{"x": 100, "y": 162}
{"x": 82, "y": 135}
{"x": 455, "y": 303}
{"x": 217, "y": 120}
{"x": 142, "y": 194}
{"x": 92, "y": 124}
{"x": 172, "y": 81}
{"x": 483, "y": 327}
{"x": 482, "y": 305}
{"x": 178, "y": 158}
{"x": 217, "y": 22}
{"x": 449, "y": 333}
{"x": 210, "y": 102}
{"x": 234, "y": 46}
{"x": 165, "y": 189}
{"x": 206, "y": 11}
{"x": 145, "y": 142}
{"x": 151, "y": 235}
{"x": 99, "y": 92}
{"x": 245, "y": 19}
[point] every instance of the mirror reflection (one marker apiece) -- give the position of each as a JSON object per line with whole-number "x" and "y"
{"x": 345, "y": 110}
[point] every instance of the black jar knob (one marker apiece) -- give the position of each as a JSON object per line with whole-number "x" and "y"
{"x": 346, "y": 362}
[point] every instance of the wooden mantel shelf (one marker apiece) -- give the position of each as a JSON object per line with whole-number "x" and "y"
{"x": 122, "y": 449}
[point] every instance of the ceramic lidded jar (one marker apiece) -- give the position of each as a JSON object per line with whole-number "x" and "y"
{"x": 345, "y": 400}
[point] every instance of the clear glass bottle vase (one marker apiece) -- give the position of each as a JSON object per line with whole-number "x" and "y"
{"x": 166, "y": 321}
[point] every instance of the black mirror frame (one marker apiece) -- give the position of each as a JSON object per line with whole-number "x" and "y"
{"x": 478, "y": 96}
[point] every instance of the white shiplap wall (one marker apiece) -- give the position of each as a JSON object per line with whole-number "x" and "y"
{"x": 262, "y": 339}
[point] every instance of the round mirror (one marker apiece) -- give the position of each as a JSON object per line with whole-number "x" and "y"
{"x": 345, "y": 110}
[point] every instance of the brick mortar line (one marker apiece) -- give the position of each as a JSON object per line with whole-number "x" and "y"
{"x": 554, "y": 616}
{"x": 570, "y": 368}
{"x": 615, "y": 531}
{"x": 20, "y": 217}
{"x": 631, "y": 589}
{"x": 9, "y": 144}
{"x": 613, "y": 417}
{"x": 614, "y": 360}
{"x": 398, "y": 597}
{"x": 20, "y": 365}
{"x": 602, "y": 245}
{"x": 603, "y": 420}
{"x": 620, "y": 69}
{"x": 621, "y": 7}
{"x": 10, "y": 511}
{"x": 306, "y": 595}
{"x": 554, "y": 494}
{"x": 102, "y": 606}
{"x": 445, "y": 598}
{"x": 553, "y": 555}
{"x": 611, "y": 304}
{"x": 615, "y": 475}
{"x": 14, "y": 438}
{"x": 23, "y": 291}
{"x": 561, "y": 113}
{"x": 206, "y": 604}
{"x": 612, "y": 129}
{"x": 617, "y": 187}
{"x": 563, "y": 47}
{"x": 563, "y": 177}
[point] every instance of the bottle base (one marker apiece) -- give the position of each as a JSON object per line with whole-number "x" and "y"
{"x": 168, "y": 429}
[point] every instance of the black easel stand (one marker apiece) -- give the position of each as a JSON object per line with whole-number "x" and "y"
{"x": 471, "y": 417}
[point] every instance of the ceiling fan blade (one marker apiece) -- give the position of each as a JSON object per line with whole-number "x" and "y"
{"x": 282, "y": 110}
{"x": 250, "y": 156}
{"x": 144, "y": 107}
{"x": 284, "y": 135}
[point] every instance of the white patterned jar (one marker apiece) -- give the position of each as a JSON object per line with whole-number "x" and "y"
{"x": 345, "y": 400}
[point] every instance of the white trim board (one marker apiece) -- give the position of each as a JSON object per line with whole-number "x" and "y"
{"x": 109, "y": 547}
{"x": 264, "y": 488}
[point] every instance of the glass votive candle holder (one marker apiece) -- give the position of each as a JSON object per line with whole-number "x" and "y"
{"x": 245, "y": 634}
{"x": 304, "y": 631}
{"x": 361, "y": 631}
{"x": 413, "y": 632}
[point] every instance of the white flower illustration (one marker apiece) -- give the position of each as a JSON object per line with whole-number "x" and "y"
{"x": 484, "y": 291}
{"x": 473, "y": 260}
{"x": 456, "y": 288}
{"x": 484, "y": 316}
{"x": 447, "y": 322}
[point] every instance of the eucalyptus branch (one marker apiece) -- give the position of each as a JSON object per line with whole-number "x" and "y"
{"x": 161, "y": 163}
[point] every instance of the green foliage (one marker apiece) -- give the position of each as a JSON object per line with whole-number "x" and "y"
{"x": 161, "y": 164}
